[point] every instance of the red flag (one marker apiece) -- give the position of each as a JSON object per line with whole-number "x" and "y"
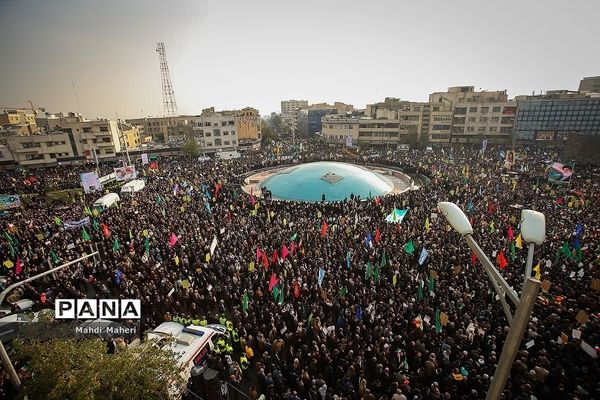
{"x": 473, "y": 258}
{"x": 258, "y": 253}
{"x": 284, "y": 252}
{"x": 18, "y": 266}
{"x": 293, "y": 248}
{"x": 172, "y": 240}
{"x": 218, "y": 187}
{"x": 296, "y": 289}
{"x": 105, "y": 231}
{"x": 274, "y": 257}
{"x": 377, "y": 200}
{"x": 377, "y": 235}
{"x": 324, "y": 229}
{"x": 272, "y": 282}
{"x": 265, "y": 260}
{"x": 501, "y": 260}
{"x": 252, "y": 200}
{"x": 510, "y": 233}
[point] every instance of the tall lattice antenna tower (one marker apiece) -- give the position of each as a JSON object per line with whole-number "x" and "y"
{"x": 169, "y": 104}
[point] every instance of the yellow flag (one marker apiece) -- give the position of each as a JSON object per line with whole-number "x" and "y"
{"x": 185, "y": 284}
{"x": 254, "y": 213}
{"x": 538, "y": 271}
{"x": 272, "y": 214}
{"x": 40, "y": 236}
{"x": 8, "y": 264}
{"x": 319, "y": 214}
{"x": 394, "y": 279}
{"x": 514, "y": 184}
{"x": 427, "y": 224}
{"x": 519, "y": 241}
{"x": 207, "y": 257}
{"x": 95, "y": 212}
{"x": 256, "y": 206}
{"x": 284, "y": 222}
{"x": 251, "y": 266}
{"x": 176, "y": 260}
{"x": 145, "y": 233}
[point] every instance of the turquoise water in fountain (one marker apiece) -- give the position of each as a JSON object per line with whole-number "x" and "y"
{"x": 303, "y": 182}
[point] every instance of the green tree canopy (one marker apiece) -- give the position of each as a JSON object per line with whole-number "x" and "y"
{"x": 191, "y": 147}
{"x": 71, "y": 369}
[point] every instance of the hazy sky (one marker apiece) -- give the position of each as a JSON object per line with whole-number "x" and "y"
{"x": 231, "y": 54}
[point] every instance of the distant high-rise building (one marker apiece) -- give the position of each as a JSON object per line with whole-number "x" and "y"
{"x": 590, "y": 84}
{"x": 289, "y": 110}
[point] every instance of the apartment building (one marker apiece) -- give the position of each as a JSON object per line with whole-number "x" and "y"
{"x": 158, "y": 127}
{"x": 215, "y": 130}
{"x": 549, "y": 118}
{"x": 336, "y": 128}
{"x": 478, "y": 115}
{"x": 66, "y": 137}
{"x": 590, "y": 85}
{"x": 247, "y": 125}
{"x": 21, "y": 120}
{"x": 289, "y": 110}
{"x": 130, "y": 135}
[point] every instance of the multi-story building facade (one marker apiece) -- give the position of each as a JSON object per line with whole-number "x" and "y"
{"x": 551, "y": 117}
{"x": 590, "y": 84}
{"x": 131, "y": 136}
{"x": 215, "y": 130}
{"x": 289, "y": 110}
{"x": 337, "y": 127}
{"x": 247, "y": 125}
{"x": 67, "y": 138}
{"x": 477, "y": 115}
{"x": 158, "y": 127}
{"x": 21, "y": 120}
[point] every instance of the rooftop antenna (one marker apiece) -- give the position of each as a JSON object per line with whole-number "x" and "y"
{"x": 169, "y": 104}
{"x": 76, "y": 98}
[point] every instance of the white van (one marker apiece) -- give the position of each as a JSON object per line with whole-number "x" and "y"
{"x": 106, "y": 201}
{"x": 130, "y": 188}
{"x": 190, "y": 345}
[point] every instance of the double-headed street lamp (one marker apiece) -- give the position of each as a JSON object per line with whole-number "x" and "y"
{"x": 533, "y": 230}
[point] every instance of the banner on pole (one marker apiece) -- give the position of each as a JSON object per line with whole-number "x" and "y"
{"x": 126, "y": 173}
{"x": 8, "y": 201}
{"x": 90, "y": 182}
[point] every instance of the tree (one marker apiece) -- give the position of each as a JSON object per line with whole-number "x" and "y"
{"x": 71, "y": 369}
{"x": 191, "y": 147}
{"x": 268, "y": 133}
{"x": 275, "y": 122}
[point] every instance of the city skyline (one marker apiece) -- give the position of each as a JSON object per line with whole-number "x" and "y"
{"x": 233, "y": 55}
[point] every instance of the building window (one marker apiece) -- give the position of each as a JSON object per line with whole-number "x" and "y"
{"x": 496, "y": 109}
{"x": 483, "y": 119}
{"x": 484, "y": 110}
{"x": 226, "y": 133}
{"x": 103, "y": 129}
{"x": 226, "y": 142}
{"x": 472, "y": 119}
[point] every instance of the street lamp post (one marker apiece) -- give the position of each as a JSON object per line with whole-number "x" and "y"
{"x": 533, "y": 230}
{"x": 8, "y": 366}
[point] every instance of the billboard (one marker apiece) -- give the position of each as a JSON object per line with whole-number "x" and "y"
{"x": 348, "y": 141}
{"x": 561, "y": 173}
{"x": 125, "y": 173}
{"x": 509, "y": 161}
{"x": 144, "y": 158}
{"x": 8, "y": 201}
{"x": 90, "y": 182}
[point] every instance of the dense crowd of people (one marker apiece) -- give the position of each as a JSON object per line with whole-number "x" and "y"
{"x": 350, "y": 312}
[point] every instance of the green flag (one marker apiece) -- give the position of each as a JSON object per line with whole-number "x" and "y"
{"x": 376, "y": 273}
{"x": 85, "y": 236}
{"x": 383, "y": 259}
{"x": 368, "y": 271}
{"x": 578, "y": 254}
{"x": 276, "y": 291}
{"x": 431, "y": 284}
{"x": 409, "y": 247}
{"x": 116, "y": 244}
{"x": 147, "y": 245}
{"x": 310, "y": 318}
{"x": 512, "y": 251}
{"x": 280, "y": 300}
{"x": 438, "y": 321}
{"x": 293, "y": 237}
{"x": 130, "y": 235}
{"x": 8, "y": 237}
{"x": 54, "y": 257}
{"x": 343, "y": 291}
{"x": 87, "y": 211}
{"x": 492, "y": 227}
{"x": 566, "y": 251}
{"x": 57, "y": 220}
{"x": 420, "y": 291}
{"x": 96, "y": 225}
{"x": 245, "y": 300}
{"x": 158, "y": 199}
